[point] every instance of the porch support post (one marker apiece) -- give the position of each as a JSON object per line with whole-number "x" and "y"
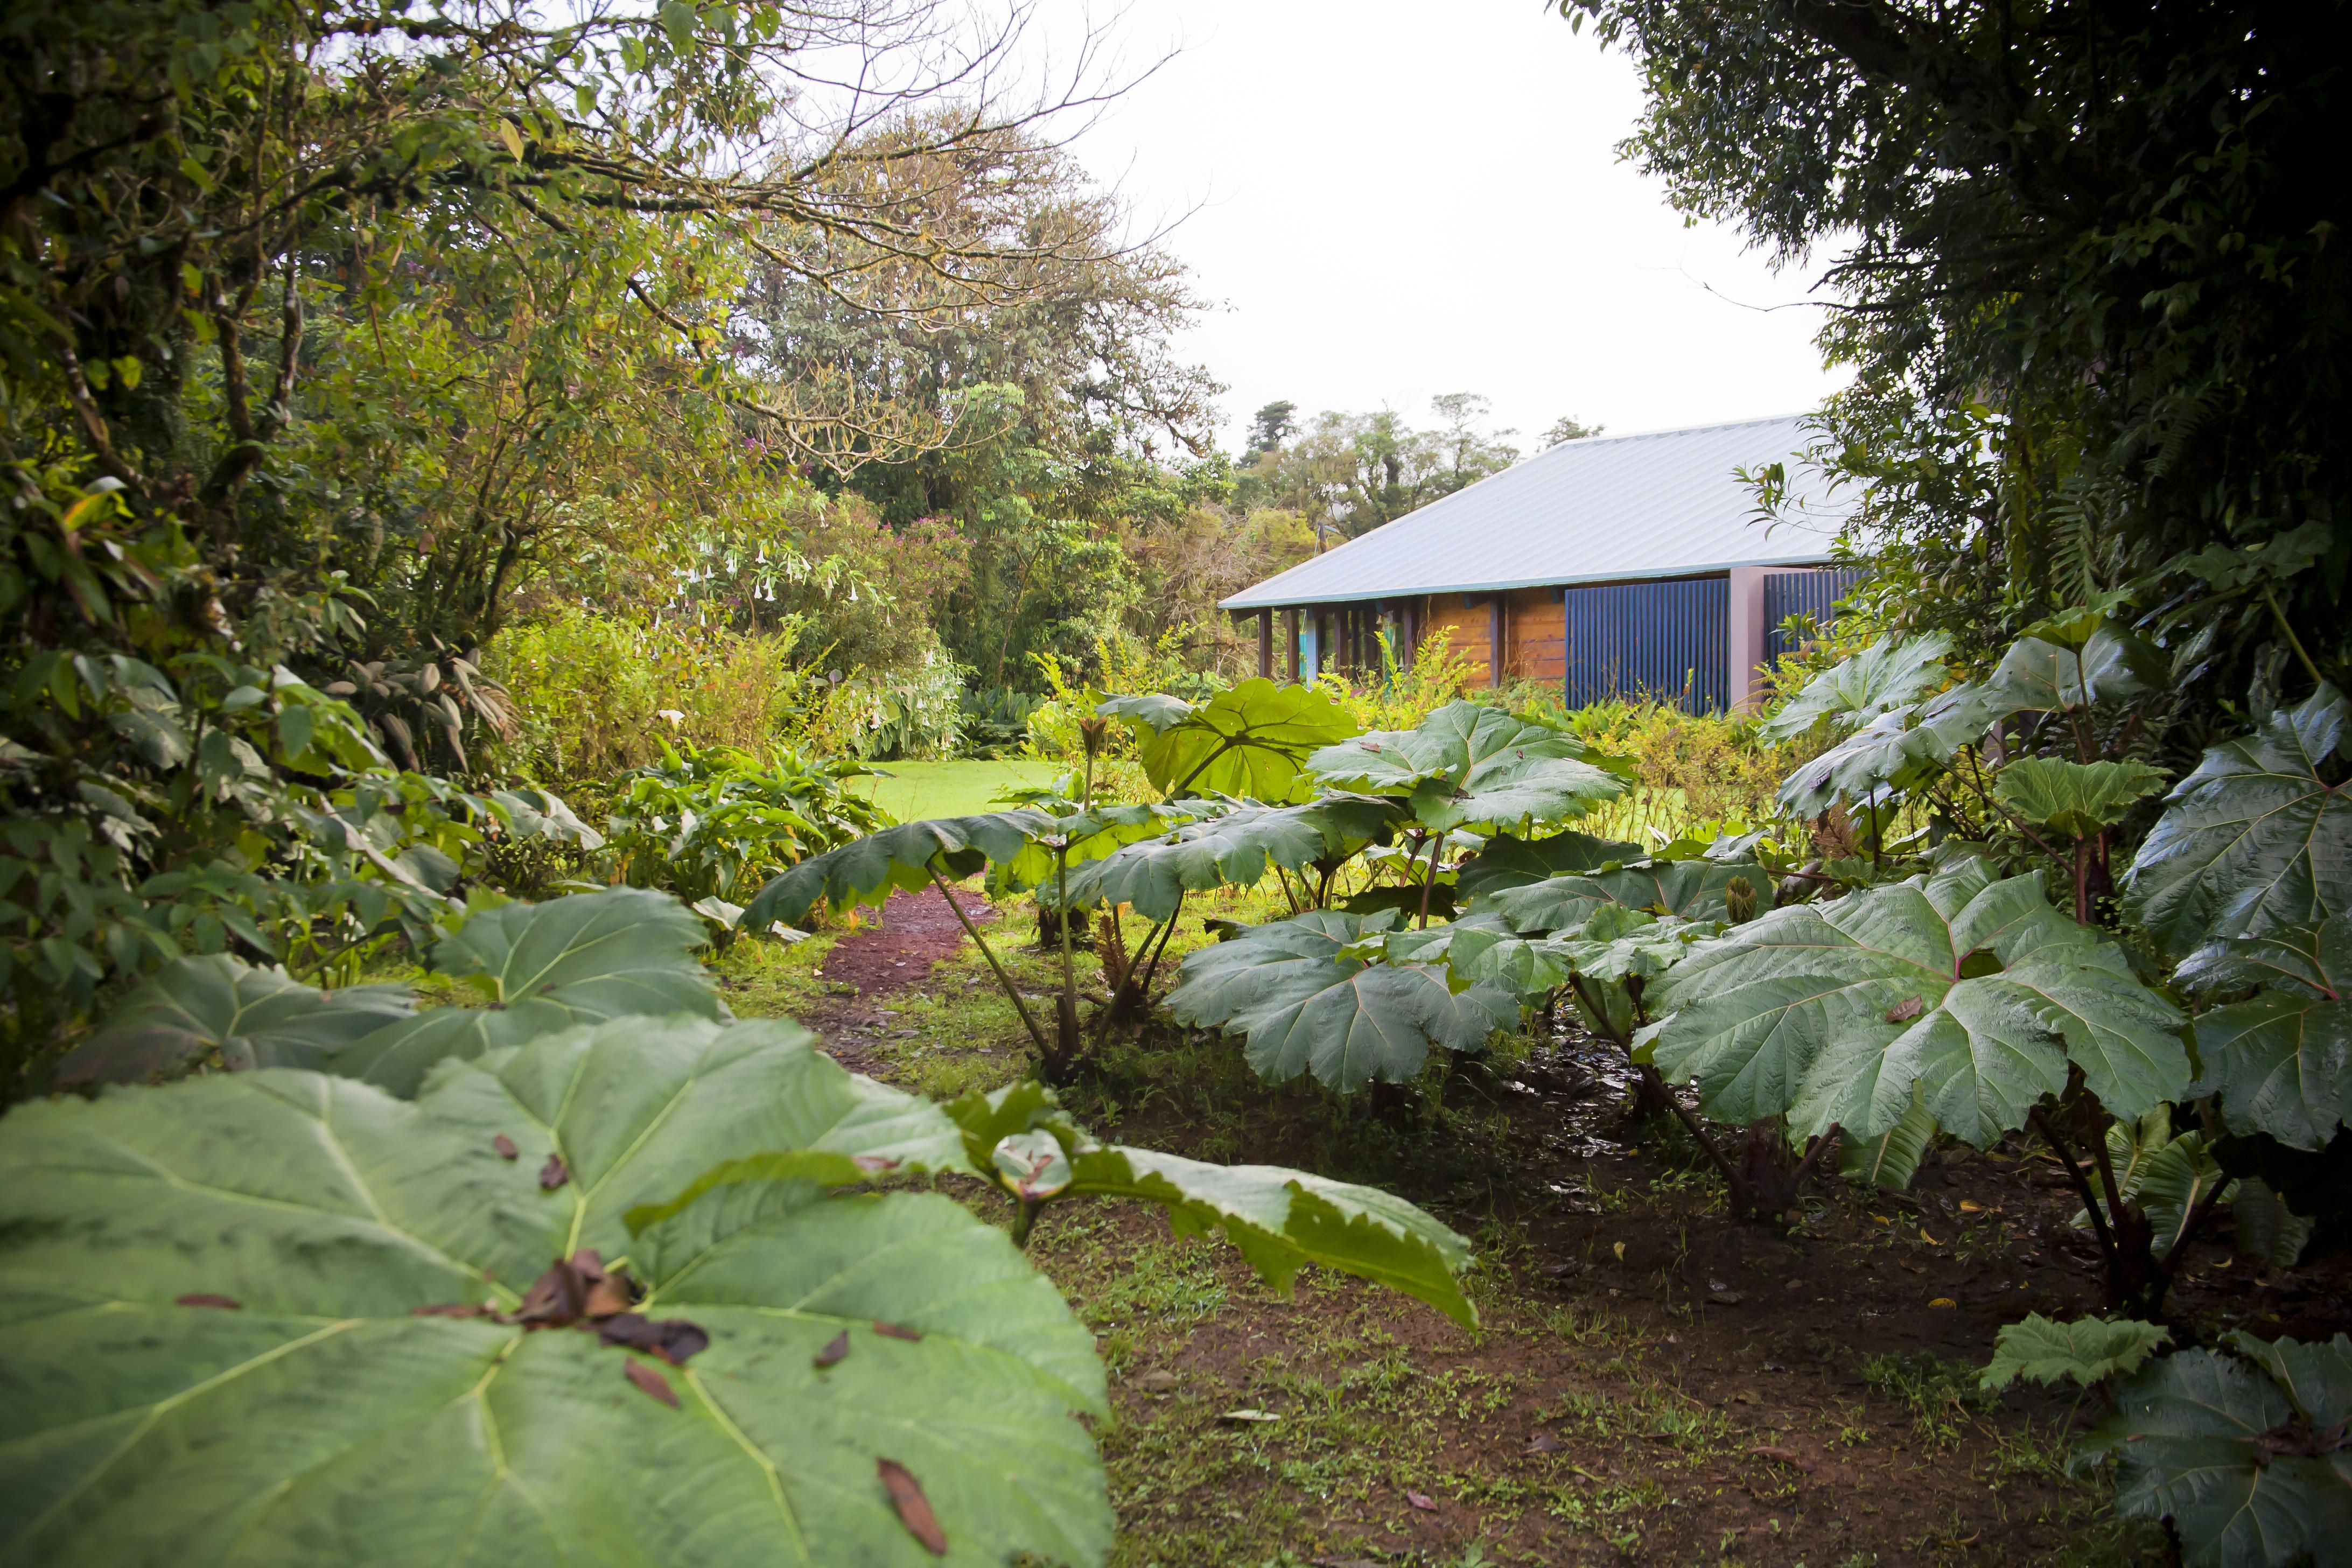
{"x": 1495, "y": 640}
{"x": 1266, "y": 644}
{"x": 1743, "y": 638}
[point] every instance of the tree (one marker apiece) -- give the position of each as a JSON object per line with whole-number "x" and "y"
{"x": 2087, "y": 275}
{"x": 1569, "y": 428}
{"x": 1349, "y": 473}
{"x": 1269, "y": 427}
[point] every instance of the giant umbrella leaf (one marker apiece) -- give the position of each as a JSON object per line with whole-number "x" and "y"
{"x": 251, "y": 1017}
{"x": 1510, "y": 862}
{"x": 2245, "y": 1457}
{"x": 1695, "y": 889}
{"x": 1893, "y": 672}
{"x": 232, "y": 1338}
{"x": 1306, "y": 1007}
{"x": 2256, "y": 840}
{"x": 1474, "y": 768}
{"x": 1231, "y": 850}
{"x": 900, "y": 858}
{"x": 1968, "y": 986}
{"x": 2282, "y": 1060}
{"x": 1246, "y": 741}
{"x": 577, "y": 960}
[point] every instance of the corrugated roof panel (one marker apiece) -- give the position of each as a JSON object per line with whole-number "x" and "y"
{"x": 1585, "y": 511}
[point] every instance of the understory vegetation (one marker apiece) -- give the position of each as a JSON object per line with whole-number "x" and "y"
{"x": 490, "y": 496}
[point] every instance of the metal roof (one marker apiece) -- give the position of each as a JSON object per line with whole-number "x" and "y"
{"x": 1604, "y": 509}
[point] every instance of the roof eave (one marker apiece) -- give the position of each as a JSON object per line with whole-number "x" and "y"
{"x": 1250, "y": 601}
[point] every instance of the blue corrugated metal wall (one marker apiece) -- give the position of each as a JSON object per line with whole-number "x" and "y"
{"x": 1648, "y": 639}
{"x": 1814, "y": 594}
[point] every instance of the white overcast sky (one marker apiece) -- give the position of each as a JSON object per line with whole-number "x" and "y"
{"x": 1396, "y": 200}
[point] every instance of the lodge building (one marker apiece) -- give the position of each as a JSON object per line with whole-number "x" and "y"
{"x": 1613, "y": 566}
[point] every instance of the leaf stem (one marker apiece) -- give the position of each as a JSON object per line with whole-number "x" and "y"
{"x": 1429, "y": 880}
{"x": 2269, "y": 597}
{"x": 2082, "y": 1183}
{"x": 1166, "y": 931}
{"x": 988, "y": 954}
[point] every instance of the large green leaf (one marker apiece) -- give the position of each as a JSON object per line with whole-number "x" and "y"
{"x": 901, "y": 858}
{"x": 1231, "y": 849}
{"x": 1971, "y": 987}
{"x": 1480, "y": 947}
{"x": 1894, "y": 672}
{"x": 2112, "y": 663}
{"x": 2281, "y": 1061}
{"x": 1474, "y": 767}
{"x": 1694, "y": 889}
{"x": 2231, "y": 1451}
{"x": 1891, "y": 1159}
{"x": 1304, "y": 1008}
{"x": 2085, "y": 1351}
{"x": 1508, "y": 862}
{"x": 2078, "y": 799}
{"x": 253, "y": 1017}
{"x": 215, "y": 1352}
{"x": 1283, "y": 1220}
{"x": 1617, "y": 943}
{"x": 2255, "y": 840}
{"x": 1889, "y": 752}
{"x": 1247, "y": 740}
{"x": 577, "y": 960}
{"x": 1280, "y": 1219}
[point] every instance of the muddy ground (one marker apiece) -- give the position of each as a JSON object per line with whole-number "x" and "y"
{"x": 1652, "y": 1382}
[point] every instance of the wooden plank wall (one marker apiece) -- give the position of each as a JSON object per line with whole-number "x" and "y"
{"x": 1535, "y": 634}
{"x": 1464, "y": 626}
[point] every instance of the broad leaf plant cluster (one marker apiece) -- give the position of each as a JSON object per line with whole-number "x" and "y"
{"x": 592, "y": 1271}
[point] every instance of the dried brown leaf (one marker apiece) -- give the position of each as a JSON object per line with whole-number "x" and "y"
{"x": 893, "y": 1331}
{"x": 835, "y": 1351}
{"x": 672, "y": 1339}
{"x": 505, "y": 1146}
{"x": 205, "y": 1298}
{"x": 914, "y": 1508}
{"x": 652, "y": 1381}
{"x": 553, "y": 1174}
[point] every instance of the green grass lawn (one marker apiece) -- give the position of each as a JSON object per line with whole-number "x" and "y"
{"x": 960, "y": 788}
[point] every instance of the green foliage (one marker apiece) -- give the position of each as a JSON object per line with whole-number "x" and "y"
{"x": 1507, "y": 861}
{"x": 1473, "y": 768}
{"x": 1281, "y": 1220}
{"x": 1894, "y": 672}
{"x": 2055, "y": 398}
{"x": 1305, "y": 1006}
{"x": 1694, "y": 889}
{"x": 310, "y": 1265}
{"x": 1234, "y": 849}
{"x": 1249, "y": 740}
{"x": 220, "y": 1011}
{"x": 712, "y": 823}
{"x": 1966, "y": 983}
{"x": 2256, "y": 840}
{"x": 2078, "y": 799}
{"x": 535, "y": 968}
{"x": 2280, "y": 1061}
{"x": 529, "y": 968}
{"x": 868, "y": 870}
{"x": 2244, "y": 1453}
{"x": 2088, "y": 1351}
{"x": 376, "y": 1208}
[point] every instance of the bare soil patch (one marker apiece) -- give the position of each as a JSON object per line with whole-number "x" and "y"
{"x": 891, "y": 952}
